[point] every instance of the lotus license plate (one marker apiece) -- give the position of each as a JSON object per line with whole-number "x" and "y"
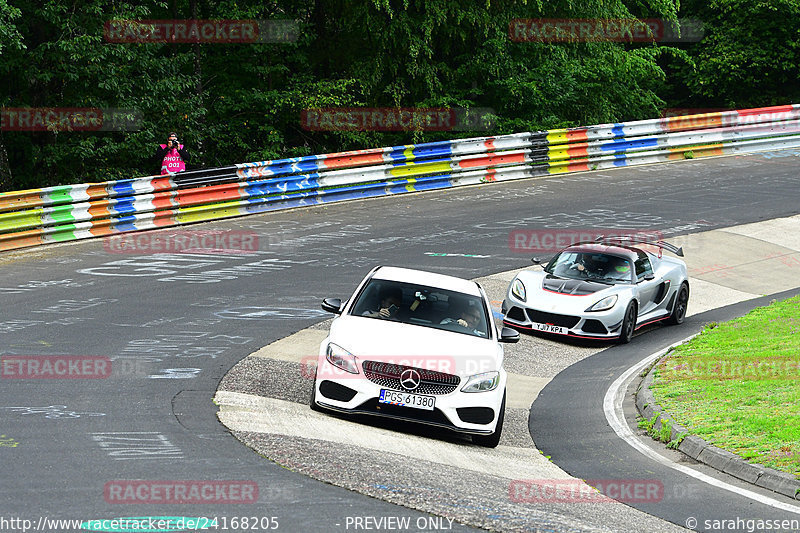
{"x": 406, "y": 399}
{"x": 550, "y": 328}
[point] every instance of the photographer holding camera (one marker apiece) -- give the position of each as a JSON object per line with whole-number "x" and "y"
{"x": 173, "y": 156}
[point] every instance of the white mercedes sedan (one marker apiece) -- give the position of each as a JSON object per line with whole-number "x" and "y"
{"x": 416, "y": 346}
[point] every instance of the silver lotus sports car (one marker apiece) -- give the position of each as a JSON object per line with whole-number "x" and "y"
{"x": 605, "y": 289}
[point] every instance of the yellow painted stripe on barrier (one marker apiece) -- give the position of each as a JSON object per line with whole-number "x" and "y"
{"x": 207, "y": 212}
{"x": 557, "y": 136}
{"x": 20, "y": 220}
{"x": 558, "y": 154}
{"x": 408, "y": 153}
{"x": 420, "y": 169}
{"x": 410, "y": 185}
{"x": 559, "y": 168}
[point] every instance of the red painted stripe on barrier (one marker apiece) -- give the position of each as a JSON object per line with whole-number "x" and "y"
{"x": 490, "y": 175}
{"x": 100, "y": 210}
{"x": 21, "y": 239}
{"x": 96, "y": 190}
{"x": 162, "y": 184}
{"x": 163, "y": 200}
{"x": 352, "y": 161}
{"x": 21, "y": 200}
{"x": 580, "y": 150}
{"x": 101, "y": 228}
{"x": 166, "y": 218}
{"x": 213, "y": 193}
{"x": 489, "y": 144}
{"x": 577, "y": 167}
{"x": 762, "y": 110}
{"x": 577, "y": 135}
{"x": 493, "y": 159}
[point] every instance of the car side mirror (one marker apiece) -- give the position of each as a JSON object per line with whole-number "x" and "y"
{"x": 536, "y": 261}
{"x": 332, "y": 305}
{"x": 509, "y": 335}
{"x": 649, "y": 277}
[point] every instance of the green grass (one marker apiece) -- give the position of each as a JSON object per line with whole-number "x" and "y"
{"x": 737, "y": 385}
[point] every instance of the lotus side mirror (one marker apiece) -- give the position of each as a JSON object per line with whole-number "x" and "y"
{"x": 332, "y": 305}
{"x": 509, "y": 335}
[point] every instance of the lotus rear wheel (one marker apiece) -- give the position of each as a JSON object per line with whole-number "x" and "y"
{"x": 681, "y": 303}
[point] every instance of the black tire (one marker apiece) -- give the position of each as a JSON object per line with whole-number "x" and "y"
{"x": 679, "y": 308}
{"x": 491, "y": 441}
{"x": 628, "y": 324}
{"x": 313, "y": 402}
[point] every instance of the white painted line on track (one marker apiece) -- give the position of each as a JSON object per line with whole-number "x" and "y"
{"x": 612, "y": 407}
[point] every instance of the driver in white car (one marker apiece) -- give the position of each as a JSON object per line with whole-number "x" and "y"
{"x": 469, "y": 317}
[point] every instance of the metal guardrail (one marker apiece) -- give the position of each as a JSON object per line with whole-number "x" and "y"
{"x": 71, "y": 212}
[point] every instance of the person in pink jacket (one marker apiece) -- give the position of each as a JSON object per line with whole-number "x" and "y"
{"x": 171, "y": 157}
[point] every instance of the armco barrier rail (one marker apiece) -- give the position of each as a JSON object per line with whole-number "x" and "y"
{"x": 66, "y": 213}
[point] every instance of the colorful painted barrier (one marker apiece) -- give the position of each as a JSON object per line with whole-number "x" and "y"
{"x": 66, "y": 213}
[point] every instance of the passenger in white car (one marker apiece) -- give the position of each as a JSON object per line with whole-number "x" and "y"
{"x": 391, "y": 300}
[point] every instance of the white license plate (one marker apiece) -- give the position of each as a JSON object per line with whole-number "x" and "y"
{"x": 406, "y": 399}
{"x": 550, "y": 328}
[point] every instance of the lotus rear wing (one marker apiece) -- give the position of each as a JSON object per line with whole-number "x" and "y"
{"x": 633, "y": 240}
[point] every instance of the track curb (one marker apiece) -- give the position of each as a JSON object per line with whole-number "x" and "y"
{"x": 700, "y": 450}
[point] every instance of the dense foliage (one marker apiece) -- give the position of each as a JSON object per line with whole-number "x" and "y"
{"x": 243, "y": 102}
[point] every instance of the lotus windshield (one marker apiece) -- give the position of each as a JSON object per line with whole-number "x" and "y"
{"x": 603, "y": 268}
{"x": 423, "y": 306}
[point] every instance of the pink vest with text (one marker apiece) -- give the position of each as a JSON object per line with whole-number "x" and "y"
{"x": 172, "y": 161}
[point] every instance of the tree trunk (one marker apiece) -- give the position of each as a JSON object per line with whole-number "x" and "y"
{"x": 5, "y": 169}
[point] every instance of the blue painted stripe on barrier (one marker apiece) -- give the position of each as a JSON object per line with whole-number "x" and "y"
{"x": 433, "y": 149}
{"x": 123, "y": 188}
{"x": 621, "y": 145}
{"x": 126, "y": 223}
{"x": 338, "y": 195}
{"x": 124, "y": 205}
{"x": 618, "y": 130}
{"x": 261, "y": 188}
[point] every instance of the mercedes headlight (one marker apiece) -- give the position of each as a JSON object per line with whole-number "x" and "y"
{"x": 485, "y": 382}
{"x": 341, "y": 358}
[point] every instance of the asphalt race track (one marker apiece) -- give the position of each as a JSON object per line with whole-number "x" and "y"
{"x": 569, "y": 424}
{"x": 174, "y": 323}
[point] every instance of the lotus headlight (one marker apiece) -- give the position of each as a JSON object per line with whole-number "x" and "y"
{"x": 518, "y": 289}
{"x": 485, "y": 382}
{"x": 604, "y": 304}
{"x": 341, "y": 358}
